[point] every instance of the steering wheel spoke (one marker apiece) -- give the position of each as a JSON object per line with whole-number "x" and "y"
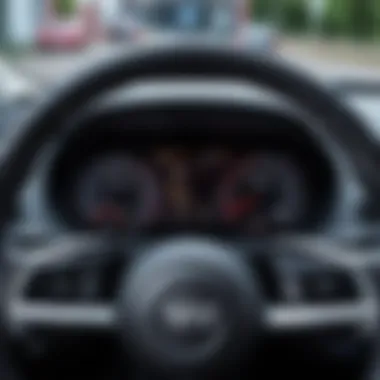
{"x": 59, "y": 252}
{"x": 322, "y": 285}
{"x": 299, "y": 317}
{"x": 68, "y": 282}
{"x": 23, "y": 314}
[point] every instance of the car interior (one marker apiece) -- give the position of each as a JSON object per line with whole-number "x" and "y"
{"x": 191, "y": 231}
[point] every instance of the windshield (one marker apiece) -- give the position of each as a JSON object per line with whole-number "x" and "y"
{"x": 45, "y": 42}
{"x": 190, "y": 16}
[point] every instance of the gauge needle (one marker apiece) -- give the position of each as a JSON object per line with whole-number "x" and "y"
{"x": 241, "y": 207}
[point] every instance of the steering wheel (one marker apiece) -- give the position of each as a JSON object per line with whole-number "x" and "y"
{"x": 186, "y": 305}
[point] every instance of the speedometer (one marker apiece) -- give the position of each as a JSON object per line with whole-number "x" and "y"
{"x": 118, "y": 191}
{"x": 265, "y": 188}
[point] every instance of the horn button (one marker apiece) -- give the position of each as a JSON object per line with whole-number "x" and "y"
{"x": 189, "y": 304}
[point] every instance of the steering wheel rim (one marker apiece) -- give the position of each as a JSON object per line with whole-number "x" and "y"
{"x": 192, "y": 61}
{"x": 172, "y": 61}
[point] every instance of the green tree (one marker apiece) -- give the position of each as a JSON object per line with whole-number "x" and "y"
{"x": 262, "y": 9}
{"x": 295, "y": 17}
{"x": 361, "y": 18}
{"x": 376, "y": 20}
{"x": 337, "y": 18}
{"x": 352, "y": 18}
{"x": 3, "y": 34}
{"x": 66, "y": 8}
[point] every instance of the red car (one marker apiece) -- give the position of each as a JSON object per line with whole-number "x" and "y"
{"x": 75, "y": 33}
{"x": 63, "y": 35}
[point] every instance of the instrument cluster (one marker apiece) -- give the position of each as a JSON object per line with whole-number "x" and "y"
{"x": 174, "y": 188}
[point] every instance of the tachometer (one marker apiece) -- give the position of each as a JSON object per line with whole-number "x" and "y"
{"x": 117, "y": 191}
{"x": 265, "y": 188}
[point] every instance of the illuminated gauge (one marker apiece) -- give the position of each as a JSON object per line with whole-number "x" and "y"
{"x": 265, "y": 187}
{"x": 117, "y": 191}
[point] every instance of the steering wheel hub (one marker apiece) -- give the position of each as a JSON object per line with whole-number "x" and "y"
{"x": 187, "y": 303}
{"x": 192, "y": 314}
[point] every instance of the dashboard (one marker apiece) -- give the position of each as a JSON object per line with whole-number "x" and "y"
{"x": 191, "y": 172}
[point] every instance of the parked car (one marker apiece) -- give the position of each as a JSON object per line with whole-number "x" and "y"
{"x": 58, "y": 34}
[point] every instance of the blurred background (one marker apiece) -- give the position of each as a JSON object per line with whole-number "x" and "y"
{"x": 45, "y": 38}
{"x": 44, "y": 41}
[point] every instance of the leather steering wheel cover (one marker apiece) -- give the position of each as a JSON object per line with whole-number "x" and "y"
{"x": 164, "y": 61}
